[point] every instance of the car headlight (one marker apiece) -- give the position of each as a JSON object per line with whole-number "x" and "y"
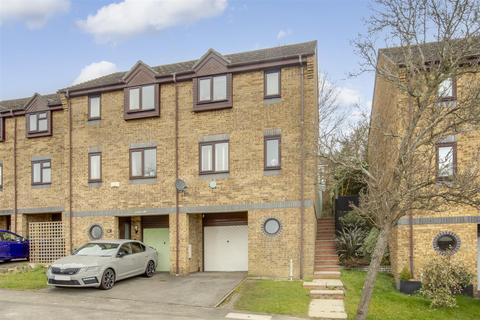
{"x": 90, "y": 269}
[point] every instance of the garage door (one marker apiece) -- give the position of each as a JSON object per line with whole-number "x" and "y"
{"x": 156, "y": 234}
{"x": 226, "y": 243}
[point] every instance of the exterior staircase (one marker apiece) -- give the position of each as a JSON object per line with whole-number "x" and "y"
{"x": 326, "y": 289}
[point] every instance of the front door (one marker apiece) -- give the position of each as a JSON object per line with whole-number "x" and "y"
{"x": 125, "y": 226}
{"x": 159, "y": 238}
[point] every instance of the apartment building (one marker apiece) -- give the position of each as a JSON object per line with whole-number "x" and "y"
{"x": 421, "y": 235}
{"x": 212, "y": 161}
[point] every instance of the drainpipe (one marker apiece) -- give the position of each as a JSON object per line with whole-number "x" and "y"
{"x": 302, "y": 164}
{"x": 177, "y": 209}
{"x": 15, "y": 195}
{"x": 70, "y": 161}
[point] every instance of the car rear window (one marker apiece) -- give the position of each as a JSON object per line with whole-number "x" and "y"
{"x": 137, "y": 247}
{"x": 97, "y": 249}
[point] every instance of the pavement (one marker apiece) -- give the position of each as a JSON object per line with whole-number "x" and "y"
{"x": 208, "y": 288}
{"x": 161, "y": 297}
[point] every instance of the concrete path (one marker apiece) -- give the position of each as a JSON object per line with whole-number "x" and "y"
{"x": 327, "y": 297}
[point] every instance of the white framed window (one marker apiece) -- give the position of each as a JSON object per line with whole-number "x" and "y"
{"x": 212, "y": 89}
{"x": 214, "y": 157}
{"x": 272, "y": 83}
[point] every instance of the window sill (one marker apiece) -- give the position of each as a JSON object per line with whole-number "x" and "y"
{"x": 272, "y": 172}
{"x": 41, "y": 186}
{"x": 269, "y": 101}
{"x": 143, "y": 181}
{"x": 94, "y": 184}
{"x": 219, "y": 175}
{"x": 93, "y": 121}
{"x": 199, "y": 107}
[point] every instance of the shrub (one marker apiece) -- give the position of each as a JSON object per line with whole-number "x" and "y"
{"x": 405, "y": 274}
{"x": 352, "y": 220}
{"x": 442, "y": 279}
{"x": 349, "y": 242}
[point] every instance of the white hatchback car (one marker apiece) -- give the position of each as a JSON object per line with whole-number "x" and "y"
{"x": 102, "y": 263}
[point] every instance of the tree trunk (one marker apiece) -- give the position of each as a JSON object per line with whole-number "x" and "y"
{"x": 369, "y": 284}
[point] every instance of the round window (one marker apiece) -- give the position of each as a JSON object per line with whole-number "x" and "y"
{"x": 446, "y": 243}
{"x": 95, "y": 232}
{"x": 271, "y": 226}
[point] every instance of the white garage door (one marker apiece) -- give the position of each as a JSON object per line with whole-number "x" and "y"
{"x": 226, "y": 248}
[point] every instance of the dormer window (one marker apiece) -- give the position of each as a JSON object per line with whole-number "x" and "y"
{"x": 447, "y": 90}
{"x": 142, "y": 98}
{"x": 38, "y": 124}
{"x": 212, "y": 89}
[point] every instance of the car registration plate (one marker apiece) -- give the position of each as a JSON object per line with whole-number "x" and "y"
{"x": 61, "y": 278}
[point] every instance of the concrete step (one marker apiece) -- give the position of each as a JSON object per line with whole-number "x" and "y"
{"x": 327, "y": 309}
{"x": 324, "y": 268}
{"x": 325, "y": 262}
{"x": 326, "y": 274}
{"x": 324, "y": 284}
{"x": 327, "y": 294}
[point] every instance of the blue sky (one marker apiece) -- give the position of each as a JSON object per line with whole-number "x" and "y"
{"x": 45, "y": 44}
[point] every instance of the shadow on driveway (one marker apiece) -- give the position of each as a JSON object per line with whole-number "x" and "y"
{"x": 203, "y": 289}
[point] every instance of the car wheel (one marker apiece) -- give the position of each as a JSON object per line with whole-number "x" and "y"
{"x": 150, "y": 270}
{"x": 108, "y": 280}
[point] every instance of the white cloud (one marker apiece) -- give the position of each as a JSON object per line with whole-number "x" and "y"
{"x": 95, "y": 70}
{"x": 348, "y": 96}
{"x": 34, "y": 13}
{"x": 283, "y": 34}
{"x": 117, "y": 21}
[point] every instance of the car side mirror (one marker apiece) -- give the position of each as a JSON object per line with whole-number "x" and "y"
{"x": 121, "y": 254}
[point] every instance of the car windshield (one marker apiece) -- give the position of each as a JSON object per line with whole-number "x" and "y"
{"x": 97, "y": 249}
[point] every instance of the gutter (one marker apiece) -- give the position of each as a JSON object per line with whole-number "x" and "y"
{"x": 177, "y": 209}
{"x": 302, "y": 166}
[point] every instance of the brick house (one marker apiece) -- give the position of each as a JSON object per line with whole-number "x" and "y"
{"x": 421, "y": 235}
{"x": 212, "y": 161}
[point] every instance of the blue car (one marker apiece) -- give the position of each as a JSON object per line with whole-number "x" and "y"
{"x": 13, "y": 246}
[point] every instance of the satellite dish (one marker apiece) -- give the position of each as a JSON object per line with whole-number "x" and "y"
{"x": 180, "y": 185}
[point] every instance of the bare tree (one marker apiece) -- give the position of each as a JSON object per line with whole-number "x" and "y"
{"x": 428, "y": 42}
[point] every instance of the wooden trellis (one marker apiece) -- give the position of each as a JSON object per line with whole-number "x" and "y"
{"x": 47, "y": 241}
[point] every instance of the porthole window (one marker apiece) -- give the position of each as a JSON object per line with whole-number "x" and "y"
{"x": 446, "y": 243}
{"x": 95, "y": 232}
{"x": 271, "y": 226}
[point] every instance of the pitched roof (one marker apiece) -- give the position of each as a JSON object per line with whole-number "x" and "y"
{"x": 305, "y": 48}
{"x": 19, "y": 104}
{"x": 432, "y": 50}
{"x": 260, "y": 55}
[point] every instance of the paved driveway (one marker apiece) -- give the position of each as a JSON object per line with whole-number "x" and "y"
{"x": 204, "y": 289}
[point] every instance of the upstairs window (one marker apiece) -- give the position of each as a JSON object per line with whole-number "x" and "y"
{"x": 446, "y": 160}
{"x": 1, "y": 176}
{"x": 143, "y": 163}
{"x": 212, "y": 89}
{"x": 141, "y": 98}
{"x": 214, "y": 157}
{"x": 41, "y": 172}
{"x": 38, "y": 122}
{"x": 272, "y": 84}
{"x": 447, "y": 90}
{"x": 94, "y": 111}
{"x": 2, "y": 130}
{"x": 272, "y": 153}
{"x": 94, "y": 167}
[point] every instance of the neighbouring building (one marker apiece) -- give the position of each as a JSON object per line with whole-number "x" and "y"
{"x": 421, "y": 235}
{"x": 212, "y": 161}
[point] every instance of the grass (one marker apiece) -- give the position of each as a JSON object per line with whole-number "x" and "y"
{"x": 31, "y": 279}
{"x": 389, "y": 304}
{"x": 270, "y": 296}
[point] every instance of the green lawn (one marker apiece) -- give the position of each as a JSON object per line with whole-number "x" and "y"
{"x": 32, "y": 279}
{"x": 269, "y": 296}
{"x": 389, "y": 304}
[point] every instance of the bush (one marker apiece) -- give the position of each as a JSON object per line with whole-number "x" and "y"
{"x": 349, "y": 242}
{"x": 405, "y": 274}
{"x": 442, "y": 279}
{"x": 352, "y": 220}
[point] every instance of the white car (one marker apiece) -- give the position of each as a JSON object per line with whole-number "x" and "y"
{"x": 102, "y": 263}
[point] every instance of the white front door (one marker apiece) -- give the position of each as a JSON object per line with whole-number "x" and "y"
{"x": 226, "y": 248}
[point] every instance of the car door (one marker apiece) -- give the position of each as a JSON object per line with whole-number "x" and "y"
{"x": 4, "y": 250}
{"x": 18, "y": 246}
{"x": 125, "y": 261}
{"x": 140, "y": 257}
